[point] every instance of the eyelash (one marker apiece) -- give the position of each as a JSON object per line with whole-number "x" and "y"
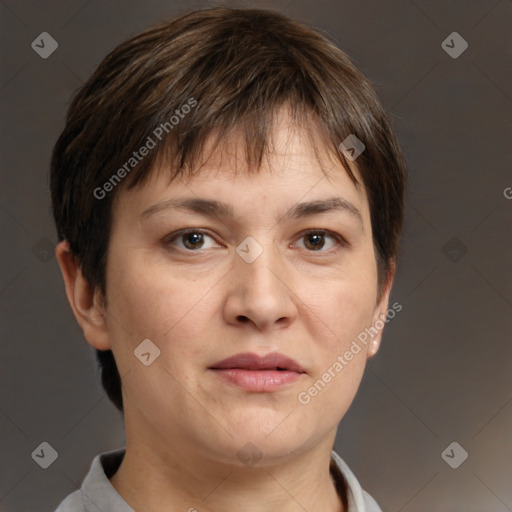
{"x": 338, "y": 238}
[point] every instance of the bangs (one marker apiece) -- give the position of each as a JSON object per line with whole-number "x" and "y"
{"x": 183, "y": 156}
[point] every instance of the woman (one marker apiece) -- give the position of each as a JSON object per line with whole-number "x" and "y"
{"x": 228, "y": 195}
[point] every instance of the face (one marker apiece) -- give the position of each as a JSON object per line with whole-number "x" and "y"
{"x": 275, "y": 284}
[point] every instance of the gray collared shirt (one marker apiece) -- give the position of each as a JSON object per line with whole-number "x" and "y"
{"x": 98, "y": 495}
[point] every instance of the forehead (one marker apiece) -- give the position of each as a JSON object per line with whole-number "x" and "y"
{"x": 297, "y": 166}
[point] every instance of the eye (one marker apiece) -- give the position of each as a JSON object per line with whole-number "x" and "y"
{"x": 193, "y": 239}
{"x": 315, "y": 240}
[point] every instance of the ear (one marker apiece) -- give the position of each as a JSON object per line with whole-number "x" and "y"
{"x": 87, "y": 304}
{"x": 380, "y": 313}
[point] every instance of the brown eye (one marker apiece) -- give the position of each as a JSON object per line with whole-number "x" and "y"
{"x": 192, "y": 240}
{"x": 315, "y": 241}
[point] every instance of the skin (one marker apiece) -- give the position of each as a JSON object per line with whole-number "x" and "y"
{"x": 185, "y": 425}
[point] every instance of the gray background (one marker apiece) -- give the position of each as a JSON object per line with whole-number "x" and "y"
{"x": 444, "y": 371}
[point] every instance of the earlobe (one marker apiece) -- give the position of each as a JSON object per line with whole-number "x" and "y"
{"x": 85, "y": 301}
{"x": 380, "y": 313}
{"x": 374, "y": 346}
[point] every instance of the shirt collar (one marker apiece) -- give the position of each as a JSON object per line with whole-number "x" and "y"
{"x": 98, "y": 493}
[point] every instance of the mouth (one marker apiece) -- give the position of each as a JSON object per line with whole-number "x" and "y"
{"x": 259, "y": 374}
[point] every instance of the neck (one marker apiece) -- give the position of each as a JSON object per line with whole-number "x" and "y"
{"x": 178, "y": 478}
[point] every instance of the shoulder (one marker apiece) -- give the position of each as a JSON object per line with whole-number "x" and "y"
{"x": 96, "y": 492}
{"x": 73, "y": 503}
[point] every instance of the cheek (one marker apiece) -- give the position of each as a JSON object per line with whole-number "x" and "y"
{"x": 329, "y": 396}
{"x": 344, "y": 305}
{"x": 169, "y": 308}
{"x": 342, "y": 356}
{"x": 147, "y": 303}
{"x": 343, "y": 309}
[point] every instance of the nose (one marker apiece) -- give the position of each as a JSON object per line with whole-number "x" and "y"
{"x": 260, "y": 293}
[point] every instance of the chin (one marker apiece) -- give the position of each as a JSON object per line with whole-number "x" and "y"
{"x": 263, "y": 446}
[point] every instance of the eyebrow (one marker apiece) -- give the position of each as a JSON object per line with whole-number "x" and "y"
{"x": 214, "y": 208}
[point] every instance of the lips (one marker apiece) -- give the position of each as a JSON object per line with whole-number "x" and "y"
{"x": 258, "y": 374}
{"x": 253, "y": 362}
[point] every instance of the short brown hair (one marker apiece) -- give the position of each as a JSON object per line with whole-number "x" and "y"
{"x": 239, "y": 66}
